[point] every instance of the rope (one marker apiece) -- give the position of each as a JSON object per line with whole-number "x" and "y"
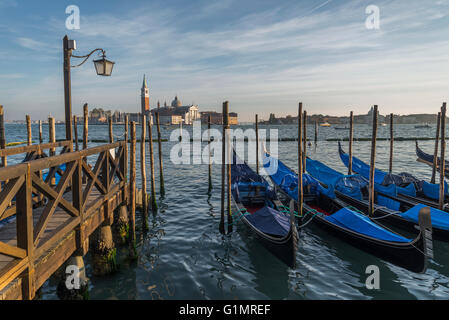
{"x": 243, "y": 212}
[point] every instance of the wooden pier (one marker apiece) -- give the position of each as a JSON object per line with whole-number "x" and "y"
{"x": 53, "y": 221}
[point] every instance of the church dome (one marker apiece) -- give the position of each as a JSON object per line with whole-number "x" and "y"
{"x": 176, "y": 102}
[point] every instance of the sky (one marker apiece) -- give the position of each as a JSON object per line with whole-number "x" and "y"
{"x": 263, "y": 56}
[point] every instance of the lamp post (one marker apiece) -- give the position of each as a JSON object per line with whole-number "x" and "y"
{"x": 103, "y": 67}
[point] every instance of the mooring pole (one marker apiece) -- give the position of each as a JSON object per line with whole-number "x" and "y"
{"x": 443, "y": 151}
{"x": 304, "y": 139}
{"x": 86, "y": 125}
{"x": 300, "y": 159}
{"x": 228, "y": 167}
{"x": 316, "y": 132}
{"x": 132, "y": 192}
{"x": 372, "y": 162}
{"x": 29, "y": 138}
{"x": 391, "y": 141}
{"x": 51, "y": 134}
{"x": 52, "y": 139}
{"x": 40, "y": 132}
{"x": 210, "y": 160}
{"x": 223, "y": 168}
{"x": 161, "y": 171}
{"x": 152, "y": 181}
{"x": 111, "y": 133}
{"x": 351, "y": 138}
{"x": 3, "y": 136}
{"x": 257, "y": 144}
{"x": 143, "y": 172}
{"x": 75, "y": 128}
{"x": 435, "y": 153}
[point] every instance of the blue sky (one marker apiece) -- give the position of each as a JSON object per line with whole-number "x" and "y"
{"x": 263, "y": 56}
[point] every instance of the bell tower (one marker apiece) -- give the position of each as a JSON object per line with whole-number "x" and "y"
{"x": 145, "y": 97}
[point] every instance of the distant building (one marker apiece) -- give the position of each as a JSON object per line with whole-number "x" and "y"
{"x": 145, "y": 97}
{"x": 217, "y": 118}
{"x": 176, "y": 113}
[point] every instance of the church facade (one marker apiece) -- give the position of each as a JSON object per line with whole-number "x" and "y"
{"x": 177, "y": 113}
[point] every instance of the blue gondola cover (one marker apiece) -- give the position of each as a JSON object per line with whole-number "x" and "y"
{"x": 357, "y": 222}
{"x": 270, "y": 221}
{"x": 440, "y": 219}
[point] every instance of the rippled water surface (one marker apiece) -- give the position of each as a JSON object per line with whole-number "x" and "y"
{"x": 183, "y": 256}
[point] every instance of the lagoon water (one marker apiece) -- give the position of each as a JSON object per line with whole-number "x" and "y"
{"x": 184, "y": 256}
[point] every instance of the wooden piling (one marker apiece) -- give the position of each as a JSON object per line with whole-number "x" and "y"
{"x": 111, "y": 133}
{"x": 316, "y": 131}
{"x": 210, "y": 160}
{"x": 51, "y": 134}
{"x": 86, "y": 125}
{"x": 2, "y": 136}
{"x": 351, "y": 138}
{"x": 304, "y": 154}
{"x": 300, "y": 159}
{"x": 40, "y": 132}
{"x": 152, "y": 181}
{"x": 143, "y": 172}
{"x": 257, "y": 144}
{"x": 161, "y": 171}
{"x": 29, "y": 138}
{"x": 132, "y": 192}
{"x": 223, "y": 168}
{"x": 75, "y": 128}
{"x": 435, "y": 153}
{"x": 443, "y": 151}
{"x": 372, "y": 162}
{"x": 228, "y": 167}
{"x": 391, "y": 142}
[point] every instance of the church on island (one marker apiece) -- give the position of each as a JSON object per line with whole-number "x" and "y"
{"x": 177, "y": 113}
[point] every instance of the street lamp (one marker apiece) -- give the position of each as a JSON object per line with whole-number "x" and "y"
{"x": 103, "y": 67}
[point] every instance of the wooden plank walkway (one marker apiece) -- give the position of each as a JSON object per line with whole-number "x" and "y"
{"x": 72, "y": 209}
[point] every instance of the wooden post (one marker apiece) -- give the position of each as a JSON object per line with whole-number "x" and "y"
{"x": 126, "y": 146}
{"x": 161, "y": 171}
{"x": 111, "y": 134}
{"x": 51, "y": 134}
{"x": 2, "y": 136}
{"x": 86, "y": 125}
{"x": 210, "y": 160}
{"x": 67, "y": 91}
{"x": 351, "y": 138}
{"x": 391, "y": 142}
{"x": 75, "y": 128}
{"x": 304, "y": 155}
{"x": 223, "y": 167}
{"x": 443, "y": 151}
{"x": 52, "y": 139}
{"x": 25, "y": 238}
{"x": 152, "y": 181}
{"x": 372, "y": 163}
{"x": 29, "y": 138}
{"x": 143, "y": 172}
{"x": 132, "y": 192}
{"x": 300, "y": 158}
{"x": 435, "y": 153}
{"x": 316, "y": 131}
{"x": 257, "y": 144}
{"x": 40, "y": 132}
{"x": 228, "y": 167}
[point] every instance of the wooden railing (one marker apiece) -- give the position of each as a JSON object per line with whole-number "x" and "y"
{"x": 72, "y": 196}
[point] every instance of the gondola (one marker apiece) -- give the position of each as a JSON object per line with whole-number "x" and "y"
{"x": 335, "y": 216}
{"x": 407, "y": 187}
{"x": 428, "y": 159}
{"x": 353, "y": 189}
{"x": 260, "y": 210}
